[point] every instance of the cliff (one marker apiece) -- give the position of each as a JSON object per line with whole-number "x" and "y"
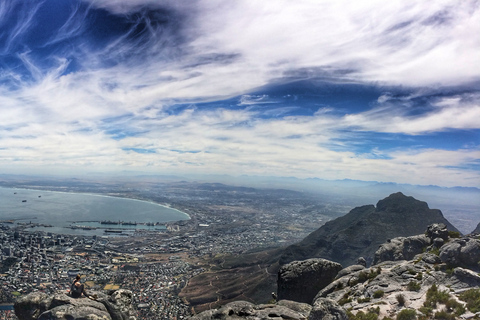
{"x": 363, "y": 229}
{"x": 441, "y": 282}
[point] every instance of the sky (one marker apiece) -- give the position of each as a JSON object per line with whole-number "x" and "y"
{"x": 383, "y": 91}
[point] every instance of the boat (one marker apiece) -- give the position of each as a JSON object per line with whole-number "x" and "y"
{"x": 24, "y": 200}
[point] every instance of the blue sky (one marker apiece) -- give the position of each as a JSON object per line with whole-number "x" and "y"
{"x": 369, "y": 90}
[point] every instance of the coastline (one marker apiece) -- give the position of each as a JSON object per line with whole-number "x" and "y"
{"x": 105, "y": 196}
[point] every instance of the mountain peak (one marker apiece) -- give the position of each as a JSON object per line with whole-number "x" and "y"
{"x": 400, "y": 203}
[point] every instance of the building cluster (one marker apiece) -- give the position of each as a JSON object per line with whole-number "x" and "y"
{"x": 48, "y": 263}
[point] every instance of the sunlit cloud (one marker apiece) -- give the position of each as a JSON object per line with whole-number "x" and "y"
{"x": 162, "y": 86}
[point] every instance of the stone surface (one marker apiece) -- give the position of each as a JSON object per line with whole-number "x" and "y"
{"x": 59, "y": 306}
{"x": 247, "y": 310}
{"x": 326, "y": 309}
{"x": 401, "y": 248}
{"x": 437, "y": 230}
{"x": 464, "y": 252}
{"x": 301, "y": 280}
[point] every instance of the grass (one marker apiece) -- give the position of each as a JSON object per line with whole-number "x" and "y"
{"x": 378, "y": 294}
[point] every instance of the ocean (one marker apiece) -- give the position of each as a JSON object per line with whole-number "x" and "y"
{"x": 62, "y": 210}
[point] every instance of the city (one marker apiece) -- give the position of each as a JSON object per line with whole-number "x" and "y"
{"x": 157, "y": 264}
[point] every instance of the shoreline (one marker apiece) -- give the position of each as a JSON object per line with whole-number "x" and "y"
{"x": 105, "y": 196}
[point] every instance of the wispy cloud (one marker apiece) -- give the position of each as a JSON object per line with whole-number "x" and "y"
{"x": 130, "y": 95}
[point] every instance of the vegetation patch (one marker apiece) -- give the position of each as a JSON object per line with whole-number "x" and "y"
{"x": 472, "y": 298}
{"x": 400, "y": 299}
{"x": 378, "y": 294}
{"x": 413, "y": 286}
{"x": 372, "y": 314}
{"x": 407, "y": 314}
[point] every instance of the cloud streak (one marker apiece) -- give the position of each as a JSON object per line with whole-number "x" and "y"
{"x": 161, "y": 86}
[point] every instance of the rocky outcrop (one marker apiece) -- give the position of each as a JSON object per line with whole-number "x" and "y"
{"x": 326, "y": 309}
{"x": 401, "y": 248}
{"x": 464, "y": 252}
{"x": 59, "y": 306}
{"x": 363, "y": 229}
{"x": 389, "y": 287}
{"x": 247, "y": 310}
{"x": 301, "y": 280}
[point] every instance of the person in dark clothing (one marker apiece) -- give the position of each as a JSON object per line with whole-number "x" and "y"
{"x": 77, "y": 288}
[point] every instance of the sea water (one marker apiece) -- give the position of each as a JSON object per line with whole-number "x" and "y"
{"x": 62, "y": 210}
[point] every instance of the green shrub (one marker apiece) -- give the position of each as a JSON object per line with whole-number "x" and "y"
{"x": 400, "y": 299}
{"x": 413, "y": 286}
{"x": 426, "y": 310}
{"x": 378, "y": 294}
{"x": 360, "y": 300}
{"x": 444, "y": 315}
{"x": 472, "y": 298}
{"x": 407, "y": 314}
{"x": 454, "y": 234}
{"x": 435, "y": 296}
{"x": 364, "y": 276}
{"x": 370, "y": 315}
{"x": 344, "y": 301}
{"x": 419, "y": 276}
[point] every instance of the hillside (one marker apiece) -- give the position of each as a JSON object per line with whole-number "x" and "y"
{"x": 363, "y": 229}
{"x": 440, "y": 282}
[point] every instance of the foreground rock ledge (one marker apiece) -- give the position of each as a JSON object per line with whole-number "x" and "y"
{"x": 322, "y": 309}
{"x": 59, "y": 306}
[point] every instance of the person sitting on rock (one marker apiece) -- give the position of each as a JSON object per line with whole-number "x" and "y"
{"x": 77, "y": 288}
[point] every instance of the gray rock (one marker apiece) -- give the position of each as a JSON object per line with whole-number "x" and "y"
{"x": 35, "y": 306}
{"x": 303, "y": 308}
{"x": 463, "y": 252}
{"x": 70, "y": 312}
{"x": 361, "y": 261}
{"x": 326, "y": 309}
{"x": 401, "y": 248}
{"x": 31, "y": 306}
{"x": 301, "y": 280}
{"x": 349, "y": 270}
{"x": 247, "y": 310}
{"x": 437, "y": 230}
{"x": 438, "y": 242}
{"x": 431, "y": 258}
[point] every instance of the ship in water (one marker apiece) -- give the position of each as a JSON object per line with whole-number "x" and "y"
{"x": 109, "y": 222}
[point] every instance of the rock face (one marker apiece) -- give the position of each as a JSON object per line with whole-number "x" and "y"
{"x": 40, "y": 306}
{"x": 401, "y": 248}
{"x": 301, "y": 280}
{"x": 464, "y": 252}
{"x": 363, "y": 229}
{"x": 246, "y": 310}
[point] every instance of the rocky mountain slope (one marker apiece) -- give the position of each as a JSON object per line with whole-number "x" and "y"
{"x": 440, "y": 282}
{"x": 363, "y": 229}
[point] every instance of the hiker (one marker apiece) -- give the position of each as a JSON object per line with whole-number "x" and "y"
{"x": 77, "y": 288}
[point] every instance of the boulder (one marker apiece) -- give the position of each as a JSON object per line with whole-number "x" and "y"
{"x": 247, "y": 310}
{"x": 464, "y": 252}
{"x": 437, "y": 230}
{"x": 326, "y": 309}
{"x": 401, "y": 248}
{"x": 59, "y": 306}
{"x": 301, "y": 280}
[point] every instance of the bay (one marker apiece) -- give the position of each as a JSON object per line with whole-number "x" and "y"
{"x": 62, "y": 210}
